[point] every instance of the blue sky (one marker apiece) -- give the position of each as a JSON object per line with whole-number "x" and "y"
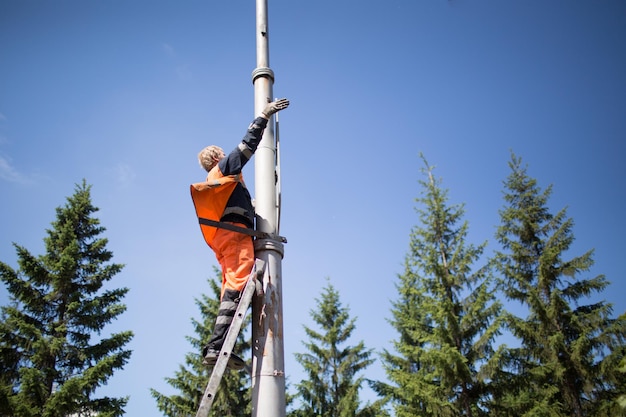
{"x": 125, "y": 93}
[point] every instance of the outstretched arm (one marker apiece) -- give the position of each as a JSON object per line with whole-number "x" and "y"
{"x": 234, "y": 162}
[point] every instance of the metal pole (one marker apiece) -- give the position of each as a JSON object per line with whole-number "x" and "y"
{"x": 268, "y": 363}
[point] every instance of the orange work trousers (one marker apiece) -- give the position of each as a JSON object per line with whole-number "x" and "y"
{"x": 235, "y": 253}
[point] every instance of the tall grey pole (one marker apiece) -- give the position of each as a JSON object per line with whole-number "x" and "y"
{"x": 268, "y": 362}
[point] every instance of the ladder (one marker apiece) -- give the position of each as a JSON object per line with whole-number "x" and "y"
{"x": 231, "y": 337}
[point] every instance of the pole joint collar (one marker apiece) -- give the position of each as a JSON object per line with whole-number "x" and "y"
{"x": 269, "y": 244}
{"x": 262, "y": 72}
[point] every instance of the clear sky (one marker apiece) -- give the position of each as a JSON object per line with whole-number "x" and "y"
{"x": 125, "y": 93}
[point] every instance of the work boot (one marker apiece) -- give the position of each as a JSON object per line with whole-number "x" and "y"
{"x": 234, "y": 362}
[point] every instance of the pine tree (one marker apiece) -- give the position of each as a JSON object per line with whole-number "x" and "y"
{"x": 621, "y": 400}
{"x": 233, "y": 398}
{"x": 333, "y": 369}
{"x": 446, "y": 315}
{"x": 53, "y": 354}
{"x": 568, "y": 359}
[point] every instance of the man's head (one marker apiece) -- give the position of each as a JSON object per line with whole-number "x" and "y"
{"x": 210, "y": 156}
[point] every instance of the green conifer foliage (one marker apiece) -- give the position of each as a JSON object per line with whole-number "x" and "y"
{"x": 446, "y": 316}
{"x": 568, "y": 359}
{"x": 233, "y": 399}
{"x": 333, "y": 368}
{"x": 53, "y": 352}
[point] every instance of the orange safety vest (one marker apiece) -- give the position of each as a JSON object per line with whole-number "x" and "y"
{"x": 210, "y": 203}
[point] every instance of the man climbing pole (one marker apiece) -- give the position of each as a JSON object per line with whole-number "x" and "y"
{"x": 224, "y": 197}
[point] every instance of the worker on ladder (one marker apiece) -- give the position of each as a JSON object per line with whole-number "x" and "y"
{"x": 225, "y": 198}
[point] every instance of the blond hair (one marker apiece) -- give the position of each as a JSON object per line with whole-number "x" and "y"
{"x": 208, "y": 157}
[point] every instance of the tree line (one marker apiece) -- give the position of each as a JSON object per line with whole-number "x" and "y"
{"x": 566, "y": 355}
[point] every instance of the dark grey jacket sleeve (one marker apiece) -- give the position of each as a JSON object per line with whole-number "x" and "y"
{"x": 238, "y": 157}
